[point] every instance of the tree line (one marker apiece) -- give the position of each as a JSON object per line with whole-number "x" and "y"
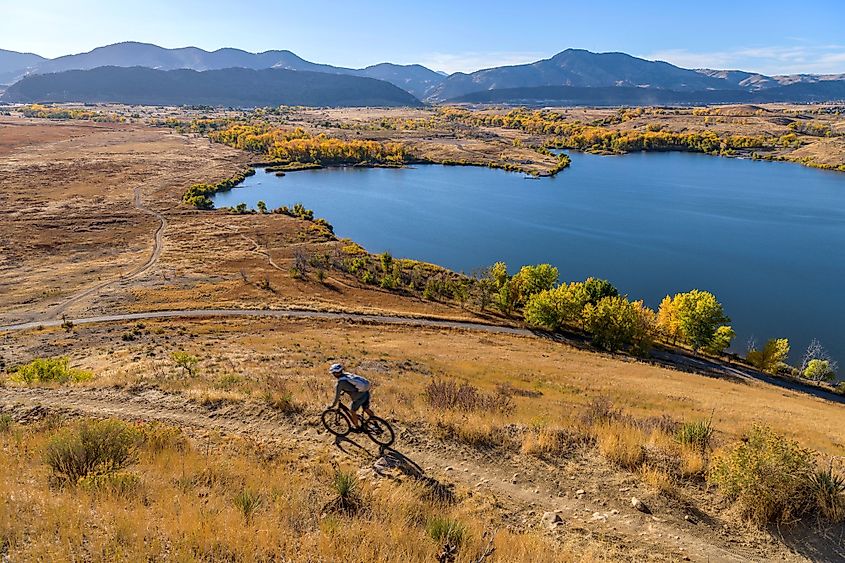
{"x": 297, "y": 145}
{"x": 564, "y": 133}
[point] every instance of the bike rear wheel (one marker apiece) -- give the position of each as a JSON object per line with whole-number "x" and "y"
{"x": 336, "y": 422}
{"x": 380, "y": 431}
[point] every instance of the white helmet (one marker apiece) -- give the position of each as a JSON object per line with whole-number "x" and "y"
{"x": 335, "y": 369}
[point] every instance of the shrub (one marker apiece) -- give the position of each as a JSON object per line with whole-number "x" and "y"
{"x": 446, "y": 531}
{"x": 828, "y": 490}
{"x": 187, "y": 362}
{"x": 766, "y": 476}
{"x": 697, "y": 434}
{"x": 600, "y": 410}
{"x": 348, "y": 490}
{"x": 94, "y": 447}
{"x": 117, "y": 483}
{"x": 50, "y": 370}
{"x": 448, "y": 394}
{"x": 770, "y": 358}
{"x": 5, "y": 423}
{"x": 248, "y": 502}
{"x": 615, "y": 323}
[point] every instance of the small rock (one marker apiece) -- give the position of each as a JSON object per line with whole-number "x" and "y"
{"x": 614, "y": 512}
{"x": 690, "y": 519}
{"x": 579, "y": 492}
{"x": 450, "y": 468}
{"x": 639, "y": 505}
{"x": 598, "y": 516}
{"x": 552, "y": 520}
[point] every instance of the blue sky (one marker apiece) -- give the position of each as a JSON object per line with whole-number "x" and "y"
{"x": 772, "y": 36}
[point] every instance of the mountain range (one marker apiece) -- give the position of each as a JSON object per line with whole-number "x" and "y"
{"x": 220, "y": 87}
{"x": 415, "y": 79}
{"x": 557, "y": 79}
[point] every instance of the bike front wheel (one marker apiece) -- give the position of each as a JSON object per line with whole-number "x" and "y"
{"x": 380, "y": 431}
{"x": 335, "y": 422}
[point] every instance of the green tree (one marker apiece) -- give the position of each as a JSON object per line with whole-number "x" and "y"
{"x": 555, "y": 308}
{"x": 262, "y": 207}
{"x": 722, "y": 338}
{"x": 598, "y": 289}
{"x": 770, "y": 358}
{"x": 386, "y": 261}
{"x": 819, "y": 370}
{"x": 534, "y": 279}
{"x": 693, "y": 316}
{"x": 509, "y": 295}
{"x": 616, "y": 323}
{"x": 499, "y": 274}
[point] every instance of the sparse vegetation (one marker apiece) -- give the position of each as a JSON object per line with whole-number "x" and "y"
{"x": 449, "y": 394}
{"x": 248, "y": 502}
{"x": 697, "y": 434}
{"x": 186, "y": 362}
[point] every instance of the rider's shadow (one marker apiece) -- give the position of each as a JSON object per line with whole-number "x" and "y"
{"x": 387, "y": 462}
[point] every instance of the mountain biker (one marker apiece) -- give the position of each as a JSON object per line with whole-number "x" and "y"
{"x": 358, "y": 389}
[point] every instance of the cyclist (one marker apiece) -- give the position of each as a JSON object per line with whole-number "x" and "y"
{"x": 358, "y": 389}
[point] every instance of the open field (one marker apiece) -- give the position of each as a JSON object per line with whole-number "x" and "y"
{"x": 92, "y": 223}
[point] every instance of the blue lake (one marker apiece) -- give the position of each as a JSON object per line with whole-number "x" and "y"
{"x": 766, "y": 238}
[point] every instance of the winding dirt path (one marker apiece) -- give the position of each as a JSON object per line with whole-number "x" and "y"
{"x": 527, "y": 489}
{"x": 158, "y": 246}
{"x": 666, "y": 358}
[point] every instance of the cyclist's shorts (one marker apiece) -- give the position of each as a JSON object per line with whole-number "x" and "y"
{"x": 361, "y": 400}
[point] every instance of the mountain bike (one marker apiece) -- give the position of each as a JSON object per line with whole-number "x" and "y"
{"x": 338, "y": 421}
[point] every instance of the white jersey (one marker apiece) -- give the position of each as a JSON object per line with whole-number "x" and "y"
{"x": 360, "y": 383}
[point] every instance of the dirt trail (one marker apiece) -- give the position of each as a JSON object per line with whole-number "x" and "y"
{"x": 525, "y": 488}
{"x": 669, "y": 359}
{"x": 158, "y": 245}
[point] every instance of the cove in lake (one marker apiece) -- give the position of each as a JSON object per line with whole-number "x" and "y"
{"x": 766, "y": 238}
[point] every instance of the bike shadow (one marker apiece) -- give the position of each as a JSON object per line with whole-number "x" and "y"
{"x": 389, "y": 463}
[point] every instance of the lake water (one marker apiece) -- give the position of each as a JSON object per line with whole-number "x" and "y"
{"x": 766, "y": 238}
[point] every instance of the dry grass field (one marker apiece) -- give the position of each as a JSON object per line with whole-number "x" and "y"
{"x": 498, "y": 435}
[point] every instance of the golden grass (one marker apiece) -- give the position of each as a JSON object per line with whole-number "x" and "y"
{"x": 621, "y": 444}
{"x": 186, "y": 507}
{"x": 658, "y": 479}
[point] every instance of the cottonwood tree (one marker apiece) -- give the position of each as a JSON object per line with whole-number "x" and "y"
{"x": 693, "y": 317}
{"x": 770, "y": 358}
{"x": 823, "y": 366}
